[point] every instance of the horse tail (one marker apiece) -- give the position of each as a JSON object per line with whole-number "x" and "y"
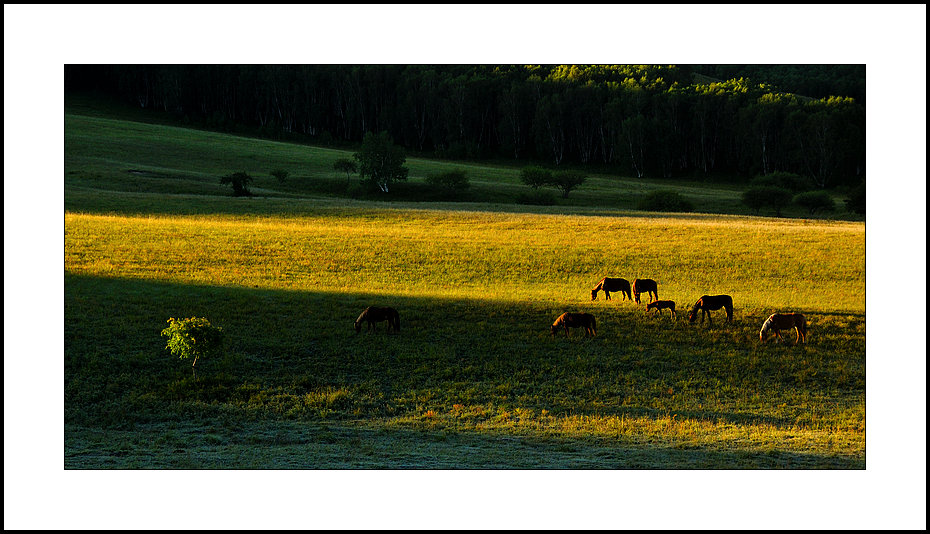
{"x": 801, "y": 324}
{"x": 396, "y": 320}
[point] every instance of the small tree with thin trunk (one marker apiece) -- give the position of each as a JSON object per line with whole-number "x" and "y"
{"x": 535, "y": 177}
{"x": 193, "y": 338}
{"x": 240, "y": 183}
{"x": 567, "y": 181}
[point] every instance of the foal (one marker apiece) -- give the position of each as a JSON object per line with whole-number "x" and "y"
{"x": 662, "y": 305}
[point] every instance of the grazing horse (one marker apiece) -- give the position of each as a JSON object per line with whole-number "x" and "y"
{"x": 374, "y": 314}
{"x": 612, "y": 284}
{"x": 785, "y": 321}
{"x": 707, "y": 303}
{"x": 645, "y": 285}
{"x": 575, "y": 320}
{"x": 661, "y": 305}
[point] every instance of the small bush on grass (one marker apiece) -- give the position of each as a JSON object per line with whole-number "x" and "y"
{"x": 665, "y": 201}
{"x": 240, "y": 183}
{"x": 767, "y": 197}
{"x": 815, "y": 201}
{"x": 450, "y": 182}
{"x": 280, "y": 174}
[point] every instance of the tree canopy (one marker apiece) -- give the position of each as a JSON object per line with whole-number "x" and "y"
{"x": 380, "y": 161}
{"x": 648, "y": 120}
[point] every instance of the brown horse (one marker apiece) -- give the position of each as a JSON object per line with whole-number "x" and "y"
{"x": 645, "y": 285}
{"x": 707, "y": 303}
{"x": 612, "y": 284}
{"x": 785, "y": 321}
{"x": 575, "y": 320}
{"x": 375, "y": 314}
{"x": 662, "y": 305}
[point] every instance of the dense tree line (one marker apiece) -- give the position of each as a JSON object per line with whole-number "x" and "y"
{"x": 657, "y": 121}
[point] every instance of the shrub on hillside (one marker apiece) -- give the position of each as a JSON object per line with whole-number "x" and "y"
{"x": 815, "y": 201}
{"x": 535, "y": 177}
{"x": 856, "y": 200}
{"x": 449, "y": 181}
{"x": 280, "y": 174}
{"x": 665, "y": 201}
{"x": 240, "y": 183}
{"x": 775, "y": 198}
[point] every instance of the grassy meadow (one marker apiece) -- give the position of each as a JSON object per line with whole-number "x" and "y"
{"x": 473, "y": 380}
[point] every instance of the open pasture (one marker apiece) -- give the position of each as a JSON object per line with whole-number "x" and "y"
{"x": 473, "y": 379}
{"x": 474, "y": 366}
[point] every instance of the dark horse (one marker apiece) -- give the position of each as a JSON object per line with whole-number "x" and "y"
{"x": 662, "y": 305}
{"x": 575, "y": 320}
{"x": 645, "y": 285}
{"x": 707, "y": 303}
{"x": 785, "y": 321}
{"x": 374, "y": 314}
{"x": 612, "y": 284}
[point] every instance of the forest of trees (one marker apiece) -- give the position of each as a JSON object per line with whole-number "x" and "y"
{"x": 697, "y": 121}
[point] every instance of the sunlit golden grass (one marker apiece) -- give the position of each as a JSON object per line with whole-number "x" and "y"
{"x": 765, "y": 264}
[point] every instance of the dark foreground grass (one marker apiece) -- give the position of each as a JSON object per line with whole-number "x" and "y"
{"x": 467, "y": 384}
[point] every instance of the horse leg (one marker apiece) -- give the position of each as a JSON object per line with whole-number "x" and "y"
{"x": 606, "y": 295}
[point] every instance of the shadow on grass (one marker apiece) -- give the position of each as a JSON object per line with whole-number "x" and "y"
{"x": 294, "y": 358}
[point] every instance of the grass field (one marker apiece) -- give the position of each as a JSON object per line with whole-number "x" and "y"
{"x": 473, "y": 380}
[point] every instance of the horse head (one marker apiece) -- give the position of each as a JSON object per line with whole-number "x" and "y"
{"x": 594, "y": 294}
